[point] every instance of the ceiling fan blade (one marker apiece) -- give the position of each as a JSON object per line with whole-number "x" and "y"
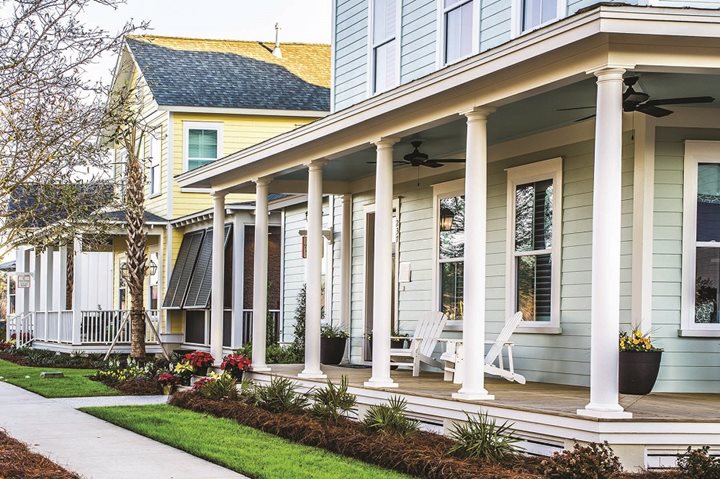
{"x": 653, "y": 110}
{"x": 585, "y": 118}
{"x": 681, "y": 101}
{"x": 575, "y": 108}
{"x": 431, "y": 164}
{"x": 449, "y": 160}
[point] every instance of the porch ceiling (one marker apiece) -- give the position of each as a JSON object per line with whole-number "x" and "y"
{"x": 515, "y": 120}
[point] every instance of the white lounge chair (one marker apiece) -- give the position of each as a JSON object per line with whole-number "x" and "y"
{"x": 452, "y": 358}
{"x": 422, "y": 344}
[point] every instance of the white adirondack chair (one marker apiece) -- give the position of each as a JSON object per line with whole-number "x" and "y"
{"x": 453, "y": 355}
{"x": 422, "y": 345}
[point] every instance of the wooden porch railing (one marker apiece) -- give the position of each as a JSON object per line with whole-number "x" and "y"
{"x": 101, "y": 327}
{"x": 21, "y": 326}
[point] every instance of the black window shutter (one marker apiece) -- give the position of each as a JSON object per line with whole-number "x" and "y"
{"x": 182, "y": 271}
{"x": 198, "y": 296}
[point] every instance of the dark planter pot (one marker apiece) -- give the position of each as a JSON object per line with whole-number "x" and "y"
{"x": 238, "y": 375}
{"x": 201, "y": 371}
{"x": 638, "y": 371}
{"x": 332, "y": 350}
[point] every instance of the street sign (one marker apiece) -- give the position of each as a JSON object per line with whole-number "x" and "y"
{"x": 23, "y": 280}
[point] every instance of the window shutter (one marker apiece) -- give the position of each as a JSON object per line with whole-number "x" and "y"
{"x": 182, "y": 271}
{"x": 198, "y": 296}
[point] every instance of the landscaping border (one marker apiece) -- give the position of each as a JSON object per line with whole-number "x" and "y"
{"x": 17, "y": 461}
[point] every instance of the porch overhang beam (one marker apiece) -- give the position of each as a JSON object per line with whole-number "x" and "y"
{"x": 297, "y": 187}
{"x": 549, "y": 58}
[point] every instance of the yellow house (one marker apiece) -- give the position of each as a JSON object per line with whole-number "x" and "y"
{"x": 206, "y": 99}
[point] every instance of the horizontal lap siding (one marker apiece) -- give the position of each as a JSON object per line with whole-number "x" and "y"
{"x": 350, "y": 51}
{"x": 419, "y": 38}
{"x": 574, "y": 5}
{"x": 688, "y": 364}
{"x": 495, "y": 23}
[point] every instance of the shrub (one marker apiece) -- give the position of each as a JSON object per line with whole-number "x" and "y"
{"x": 328, "y": 331}
{"x": 222, "y": 386}
{"x": 481, "y": 437}
{"x": 280, "y": 396}
{"x": 298, "y": 343}
{"x": 274, "y": 354}
{"x": 332, "y": 402}
{"x": 390, "y": 417}
{"x": 698, "y": 463}
{"x": 594, "y": 461}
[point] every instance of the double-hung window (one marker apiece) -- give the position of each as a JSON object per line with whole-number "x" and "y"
{"x": 449, "y": 253}
{"x": 458, "y": 27}
{"x": 203, "y": 143}
{"x": 533, "y": 268}
{"x": 538, "y": 12}
{"x": 154, "y": 165}
{"x": 384, "y": 45}
{"x": 701, "y": 238}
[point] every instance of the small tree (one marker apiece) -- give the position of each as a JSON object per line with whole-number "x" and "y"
{"x": 298, "y": 343}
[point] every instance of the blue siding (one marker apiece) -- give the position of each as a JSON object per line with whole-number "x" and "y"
{"x": 419, "y": 39}
{"x": 495, "y": 21}
{"x": 575, "y": 5}
{"x": 350, "y": 50}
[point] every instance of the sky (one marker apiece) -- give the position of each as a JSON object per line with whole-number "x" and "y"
{"x": 300, "y": 21}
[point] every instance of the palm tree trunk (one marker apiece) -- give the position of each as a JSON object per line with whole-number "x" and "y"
{"x": 136, "y": 257}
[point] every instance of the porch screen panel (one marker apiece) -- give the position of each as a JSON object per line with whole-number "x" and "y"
{"x": 198, "y": 296}
{"x": 533, "y": 243}
{"x": 182, "y": 271}
{"x": 707, "y": 252}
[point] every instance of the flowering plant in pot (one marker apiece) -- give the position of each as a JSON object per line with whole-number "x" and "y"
{"x": 332, "y": 344}
{"x": 639, "y": 363}
{"x": 167, "y": 380}
{"x": 236, "y": 364}
{"x": 200, "y": 361}
{"x": 184, "y": 371}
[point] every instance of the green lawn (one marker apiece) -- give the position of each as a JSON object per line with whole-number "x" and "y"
{"x": 74, "y": 384}
{"x": 237, "y": 447}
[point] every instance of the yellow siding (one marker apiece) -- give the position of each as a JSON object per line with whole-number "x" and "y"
{"x": 239, "y": 132}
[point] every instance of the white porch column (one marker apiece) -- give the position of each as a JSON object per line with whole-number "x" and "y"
{"x": 46, "y": 279}
{"x": 382, "y": 279}
{"x": 21, "y": 294}
{"x": 346, "y": 265}
{"x": 217, "y": 305}
{"x": 260, "y": 274}
{"x": 62, "y": 279}
{"x": 473, "y": 382}
{"x": 77, "y": 291}
{"x": 313, "y": 310}
{"x": 238, "y": 271}
{"x": 605, "y": 296}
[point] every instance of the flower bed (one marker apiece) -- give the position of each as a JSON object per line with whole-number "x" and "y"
{"x": 18, "y": 462}
{"x": 41, "y": 358}
{"x": 420, "y": 454}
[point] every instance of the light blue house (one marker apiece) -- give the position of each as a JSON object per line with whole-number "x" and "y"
{"x": 572, "y": 173}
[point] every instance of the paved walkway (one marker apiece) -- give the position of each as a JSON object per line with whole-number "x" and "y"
{"x": 102, "y": 401}
{"x": 94, "y": 448}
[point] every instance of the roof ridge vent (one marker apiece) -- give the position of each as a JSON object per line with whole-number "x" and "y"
{"x": 276, "y": 51}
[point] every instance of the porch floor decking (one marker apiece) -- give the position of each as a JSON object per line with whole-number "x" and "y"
{"x": 544, "y": 398}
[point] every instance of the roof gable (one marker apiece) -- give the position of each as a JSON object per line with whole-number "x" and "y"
{"x": 234, "y": 74}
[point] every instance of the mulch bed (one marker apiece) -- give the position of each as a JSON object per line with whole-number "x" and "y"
{"x": 58, "y": 361}
{"x": 421, "y": 454}
{"x": 133, "y": 387}
{"x": 18, "y": 462}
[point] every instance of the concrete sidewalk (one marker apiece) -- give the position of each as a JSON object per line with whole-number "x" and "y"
{"x": 94, "y": 448}
{"x": 103, "y": 401}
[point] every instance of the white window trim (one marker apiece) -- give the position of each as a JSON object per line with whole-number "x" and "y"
{"x": 201, "y": 125}
{"x": 372, "y": 45}
{"x": 440, "y": 51}
{"x": 516, "y": 14}
{"x": 155, "y": 189}
{"x": 441, "y": 191}
{"x": 520, "y": 175}
{"x": 695, "y": 152}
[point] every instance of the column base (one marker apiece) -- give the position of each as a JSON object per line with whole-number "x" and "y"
{"x": 600, "y": 411}
{"x": 380, "y": 383}
{"x": 312, "y": 375}
{"x": 263, "y": 368}
{"x": 480, "y": 395}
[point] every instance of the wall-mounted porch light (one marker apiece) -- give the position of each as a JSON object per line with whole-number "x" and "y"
{"x": 150, "y": 270}
{"x": 447, "y": 216}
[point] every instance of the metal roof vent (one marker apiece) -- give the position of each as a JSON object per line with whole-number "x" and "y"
{"x": 276, "y": 51}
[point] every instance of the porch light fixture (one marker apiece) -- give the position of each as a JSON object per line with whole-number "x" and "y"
{"x": 150, "y": 270}
{"x": 447, "y": 216}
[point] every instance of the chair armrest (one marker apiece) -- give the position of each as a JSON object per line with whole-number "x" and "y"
{"x": 506, "y": 343}
{"x": 403, "y": 337}
{"x": 446, "y": 340}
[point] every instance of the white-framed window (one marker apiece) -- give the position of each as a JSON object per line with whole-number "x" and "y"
{"x": 529, "y": 15}
{"x": 203, "y": 143}
{"x": 153, "y": 280}
{"x": 120, "y": 172}
{"x": 384, "y": 46}
{"x": 154, "y": 161}
{"x": 123, "y": 303}
{"x": 458, "y": 27}
{"x": 701, "y": 239}
{"x": 449, "y": 248}
{"x": 534, "y": 202}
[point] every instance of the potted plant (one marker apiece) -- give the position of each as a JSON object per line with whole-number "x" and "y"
{"x": 167, "y": 380}
{"x": 200, "y": 361}
{"x": 235, "y": 365}
{"x": 397, "y": 340}
{"x": 332, "y": 344}
{"x": 639, "y": 363}
{"x": 184, "y": 371}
